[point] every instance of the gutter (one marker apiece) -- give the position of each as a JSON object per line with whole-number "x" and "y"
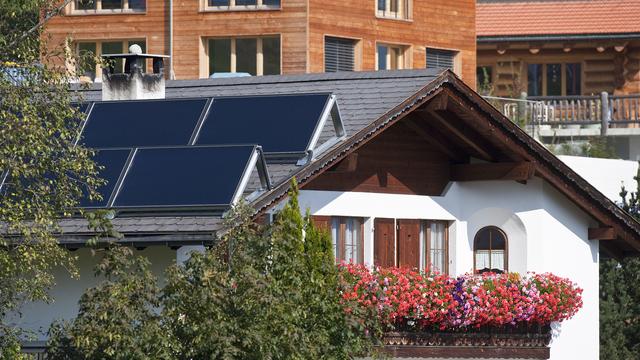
{"x": 172, "y": 75}
{"x": 557, "y": 37}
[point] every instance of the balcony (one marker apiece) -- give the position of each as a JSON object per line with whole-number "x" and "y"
{"x": 573, "y": 116}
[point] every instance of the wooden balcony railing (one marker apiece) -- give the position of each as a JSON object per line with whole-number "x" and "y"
{"x": 604, "y": 111}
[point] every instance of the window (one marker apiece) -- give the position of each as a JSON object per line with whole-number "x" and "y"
{"x": 256, "y": 56}
{"x": 490, "y": 250}
{"x": 107, "y": 6}
{"x": 390, "y": 57}
{"x": 394, "y": 9}
{"x": 90, "y": 70}
{"x": 339, "y": 54}
{"x": 348, "y": 243}
{"x": 226, "y": 5}
{"x": 434, "y": 254}
{"x": 554, "y": 79}
{"x": 440, "y": 59}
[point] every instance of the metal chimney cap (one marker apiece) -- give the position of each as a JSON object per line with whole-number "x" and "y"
{"x": 135, "y": 49}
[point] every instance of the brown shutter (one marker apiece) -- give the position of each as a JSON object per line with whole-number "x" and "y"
{"x": 384, "y": 243}
{"x": 409, "y": 243}
{"x": 322, "y": 222}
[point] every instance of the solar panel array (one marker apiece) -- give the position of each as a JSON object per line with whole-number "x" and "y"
{"x": 193, "y": 153}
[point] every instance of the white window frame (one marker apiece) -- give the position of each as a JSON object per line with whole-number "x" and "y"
{"x": 404, "y": 10}
{"x": 233, "y": 62}
{"x": 260, "y": 5}
{"x": 98, "y": 69}
{"x": 425, "y": 244}
{"x": 71, "y": 9}
{"x": 402, "y": 51}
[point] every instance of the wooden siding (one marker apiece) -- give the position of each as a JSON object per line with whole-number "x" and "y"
{"x": 302, "y": 25}
{"x": 398, "y": 161}
{"x": 437, "y": 24}
{"x": 610, "y": 71}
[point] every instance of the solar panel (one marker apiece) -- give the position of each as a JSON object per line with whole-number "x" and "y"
{"x": 184, "y": 177}
{"x": 279, "y": 124}
{"x": 142, "y": 123}
{"x": 113, "y": 162}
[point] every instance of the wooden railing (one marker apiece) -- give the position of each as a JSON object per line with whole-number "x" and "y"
{"x": 604, "y": 111}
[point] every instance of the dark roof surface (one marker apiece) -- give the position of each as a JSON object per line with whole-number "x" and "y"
{"x": 362, "y": 98}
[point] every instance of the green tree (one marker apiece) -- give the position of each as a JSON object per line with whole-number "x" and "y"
{"x": 43, "y": 173}
{"x": 263, "y": 292}
{"x": 620, "y": 298}
{"x": 119, "y": 318}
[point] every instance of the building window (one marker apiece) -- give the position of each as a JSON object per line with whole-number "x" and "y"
{"x": 107, "y": 6}
{"x": 339, "y": 54}
{"x": 440, "y": 59}
{"x": 390, "y": 57}
{"x": 434, "y": 254}
{"x": 226, "y": 5}
{"x": 348, "y": 242}
{"x": 255, "y": 56}
{"x": 88, "y": 50}
{"x": 490, "y": 250}
{"x": 394, "y": 9}
{"x": 554, "y": 79}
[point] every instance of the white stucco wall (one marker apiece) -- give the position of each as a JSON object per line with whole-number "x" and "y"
{"x": 38, "y": 316}
{"x": 607, "y": 175}
{"x": 546, "y": 233}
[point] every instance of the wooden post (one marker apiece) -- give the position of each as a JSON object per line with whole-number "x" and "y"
{"x": 605, "y": 116}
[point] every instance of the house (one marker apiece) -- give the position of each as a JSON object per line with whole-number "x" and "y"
{"x": 265, "y": 37}
{"x": 576, "y": 63}
{"x": 407, "y": 168}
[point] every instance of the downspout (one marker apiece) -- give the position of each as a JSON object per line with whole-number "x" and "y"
{"x": 172, "y": 75}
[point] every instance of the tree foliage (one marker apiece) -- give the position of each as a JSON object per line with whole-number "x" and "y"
{"x": 620, "y": 298}
{"x": 43, "y": 173}
{"x": 264, "y": 292}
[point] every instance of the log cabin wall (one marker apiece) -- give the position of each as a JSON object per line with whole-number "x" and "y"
{"x": 616, "y": 72}
{"x": 301, "y": 24}
{"x": 439, "y": 24}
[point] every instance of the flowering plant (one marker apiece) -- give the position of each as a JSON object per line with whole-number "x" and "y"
{"x": 401, "y": 298}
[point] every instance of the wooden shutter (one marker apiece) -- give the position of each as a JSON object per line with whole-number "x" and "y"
{"x": 322, "y": 222}
{"x": 384, "y": 253}
{"x": 440, "y": 59}
{"x": 339, "y": 54}
{"x": 409, "y": 243}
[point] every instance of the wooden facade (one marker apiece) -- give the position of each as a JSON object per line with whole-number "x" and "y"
{"x": 302, "y": 26}
{"x": 609, "y": 66}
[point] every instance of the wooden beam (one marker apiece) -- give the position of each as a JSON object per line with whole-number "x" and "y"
{"x": 438, "y": 103}
{"x": 465, "y": 138}
{"x": 348, "y": 164}
{"x": 602, "y": 233}
{"x": 520, "y": 171}
{"x": 440, "y": 145}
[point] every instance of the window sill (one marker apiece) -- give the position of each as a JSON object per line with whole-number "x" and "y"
{"x": 391, "y": 17}
{"x": 106, "y": 12}
{"x": 218, "y": 9}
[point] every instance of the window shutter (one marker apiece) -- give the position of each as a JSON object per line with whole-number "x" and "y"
{"x": 339, "y": 54}
{"x": 440, "y": 59}
{"x": 322, "y": 222}
{"x": 384, "y": 253}
{"x": 409, "y": 243}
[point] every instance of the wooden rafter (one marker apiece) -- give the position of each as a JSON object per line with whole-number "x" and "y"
{"x": 469, "y": 140}
{"x": 602, "y": 233}
{"x": 441, "y": 145}
{"x": 521, "y": 171}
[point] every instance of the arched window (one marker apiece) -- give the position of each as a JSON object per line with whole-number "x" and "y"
{"x": 490, "y": 250}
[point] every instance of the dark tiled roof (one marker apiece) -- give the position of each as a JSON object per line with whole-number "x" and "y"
{"x": 362, "y": 98}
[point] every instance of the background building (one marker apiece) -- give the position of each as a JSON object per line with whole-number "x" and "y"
{"x": 263, "y": 37}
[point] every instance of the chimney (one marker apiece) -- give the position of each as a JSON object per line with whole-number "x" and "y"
{"x": 133, "y": 83}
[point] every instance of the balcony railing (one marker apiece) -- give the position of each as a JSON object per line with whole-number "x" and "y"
{"x": 601, "y": 112}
